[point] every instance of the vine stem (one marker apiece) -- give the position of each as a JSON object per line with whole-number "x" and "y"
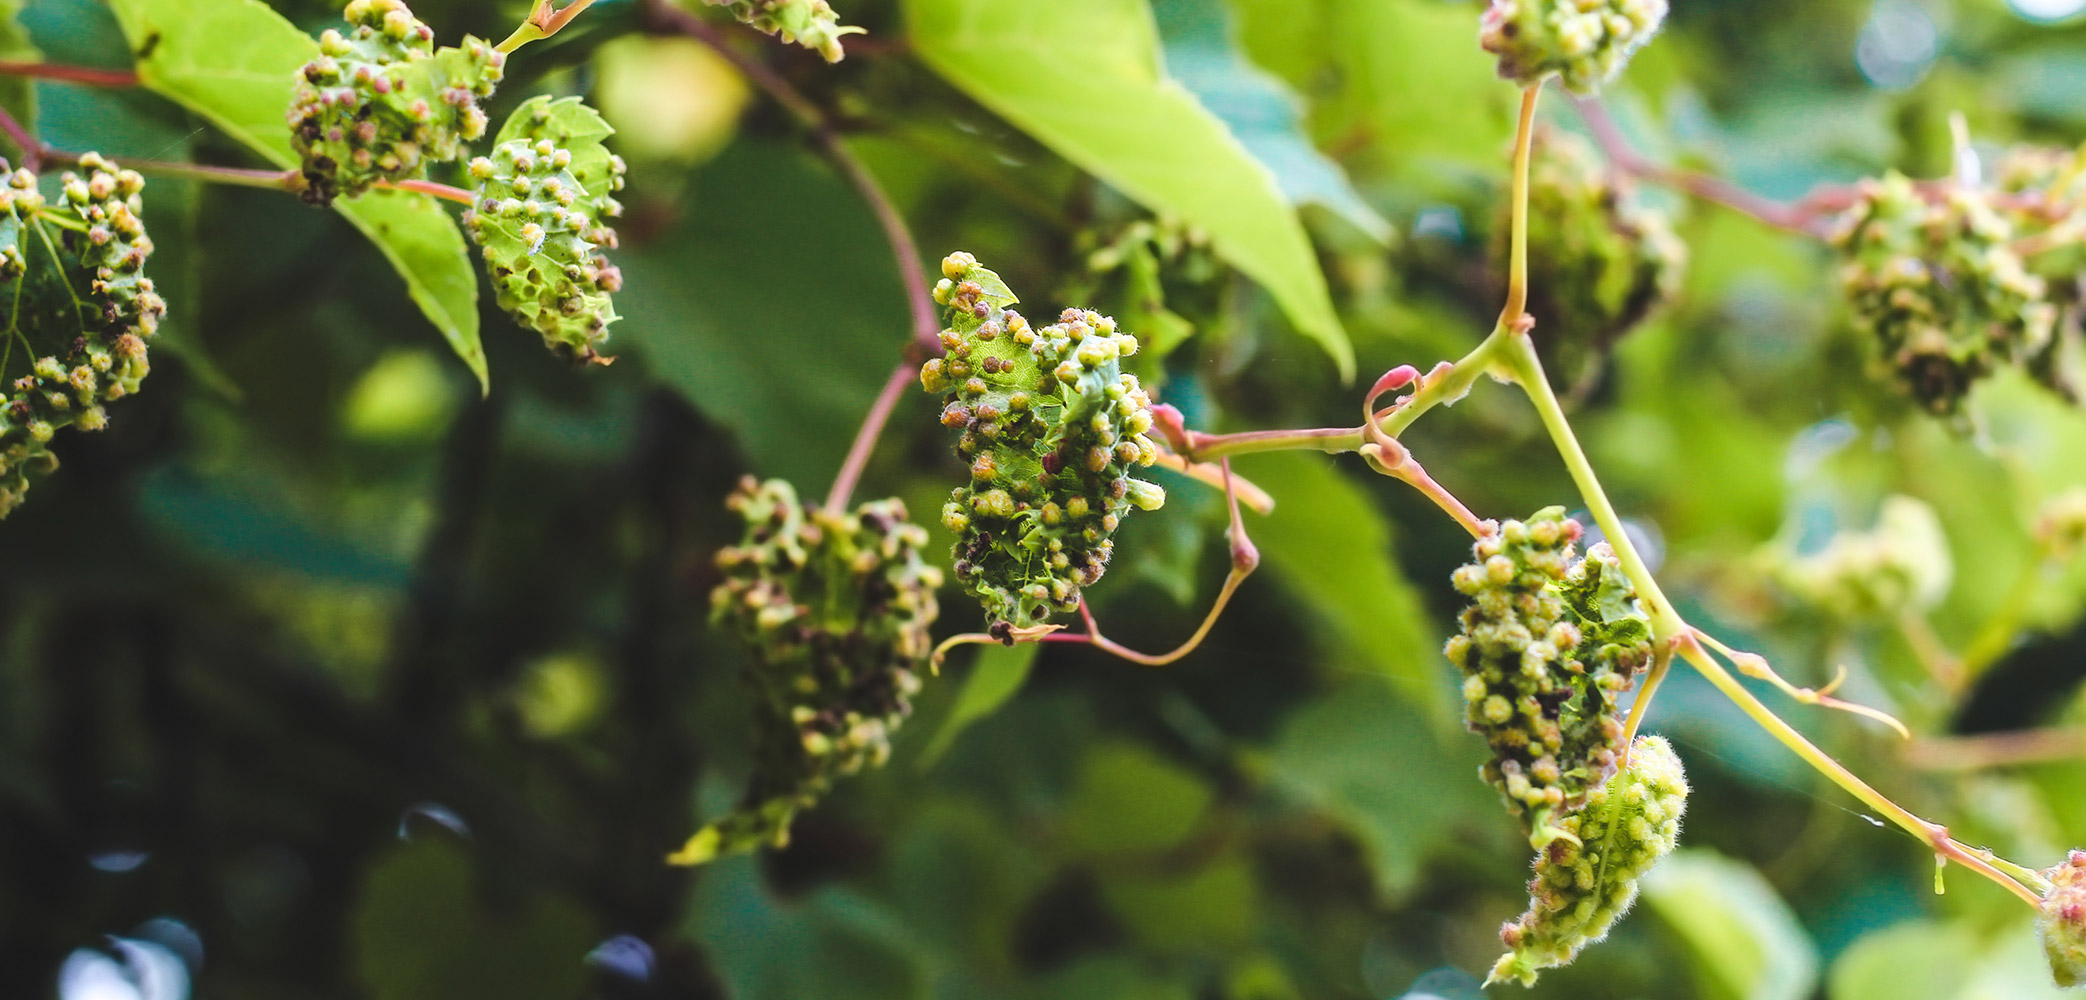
{"x": 661, "y": 17}
{"x": 872, "y": 427}
{"x": 83, "y": 75}
{"x": 1795, "y": 218}
{"x": 1935, "y": 835}
{"x": 289, "y": 181}
{"x": 1517, "y": 265}
{"x": 1518, "y": 360}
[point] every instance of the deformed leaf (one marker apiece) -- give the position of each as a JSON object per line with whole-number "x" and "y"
{"x": 1084, "y": 78}
{"x": 234, "y": 62}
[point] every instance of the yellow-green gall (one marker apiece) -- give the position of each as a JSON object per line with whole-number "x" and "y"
{"x": 2062, "y": 922}
{"x": 1587, "y": 880}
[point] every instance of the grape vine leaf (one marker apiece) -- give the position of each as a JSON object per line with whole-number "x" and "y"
{"x": 1330, "y": 545}
{"x": 1259, "y": 108}
{"x": 995, "y": 678}
{"x": 234, "y": 62}
{"x": 1085, "y": 78}
{"x": 1745, "y": 941}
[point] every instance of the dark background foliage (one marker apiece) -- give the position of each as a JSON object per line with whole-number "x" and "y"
{"x": 321, "y": 676}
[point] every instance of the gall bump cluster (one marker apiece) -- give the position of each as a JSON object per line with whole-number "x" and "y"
{"x": 834, "y": 609}
{"x": 810, "y": 23}
{"x": 1585, "y": 882}
{"x": 1548, "y": 646}
{"x": 1937, "y": 283}
{"x": 543, "y": 200}
{"x": 1583, "y": 42}
{"x": 381, "y": 103}
{"x": 1051, "y": 427}
{"x": 84, "y": 312}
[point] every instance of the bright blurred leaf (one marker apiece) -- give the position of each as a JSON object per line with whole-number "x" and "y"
{"x": 17, "y": 93}
{"x": 669, "y": 98}
{"x": 1747, "y": 945}
{"x": 1084, "y": 78}
{"x": 1258, "y": 108}
{"x": 234, "y": 62}
{"x": 401, "y": 397}
{"x": 1402, "y": 80}
{"x": 1920, "y": 960}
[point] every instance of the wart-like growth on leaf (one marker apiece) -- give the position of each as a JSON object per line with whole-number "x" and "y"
{"x": 381, "y": 103}
{"x": 1547, "y": 648}
{"x": 1584, "y": 42}
{"x": 810, "y": 23}
{"x": 1937, "y": 282}
{"x": 540, "y": 219}
{"x": 1598, "y": 262}
{"x": 82, "y": 310}
{"x": 833, "y": 610}
{"x": 1585, "y": 882}
{"x": 1052, "y": 427}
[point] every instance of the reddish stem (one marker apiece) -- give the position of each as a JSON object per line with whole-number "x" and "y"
{"x": 865, "y": 439}
{"x": 442, "y": 191}
{"x": 1804, "y": 217}
{"x": 70, "y": 74}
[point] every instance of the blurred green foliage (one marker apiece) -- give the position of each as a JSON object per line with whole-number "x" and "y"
{"x": 378, "y": 688}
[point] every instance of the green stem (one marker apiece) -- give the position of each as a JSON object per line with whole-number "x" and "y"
{"x": 1934, "y": 835}
{"x": 1517, "y": 358}
{"x": 1527, "y": 370}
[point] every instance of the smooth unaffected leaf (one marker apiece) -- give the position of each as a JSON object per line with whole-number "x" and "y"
{"x": 995, "y": 678}
{"x": 1084, "y": 78}
{"x": 1258, "y": 108}
{"x": 776, "y": 309}
{"x": 234, "y": 62}
{"x": 1403, "y": 788}
{"x": 1330, "y": 545}
{"x": 1747, "y": 944}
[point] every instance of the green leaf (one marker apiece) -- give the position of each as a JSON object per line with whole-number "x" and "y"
{"x": 1258, "y": 108}
{"x": 995, "y": 678}
{"x": 1371, "y": 763}
{"x": 1919, "y": 960}
{"x": 790, "y": 361}
{"x": 1330, "y": 545}
{"x": 1746, "y": 943}
{"x": 1129, "y": 799}
{"x": 1084, "y": 78}
{"x": 234, "y": 62}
